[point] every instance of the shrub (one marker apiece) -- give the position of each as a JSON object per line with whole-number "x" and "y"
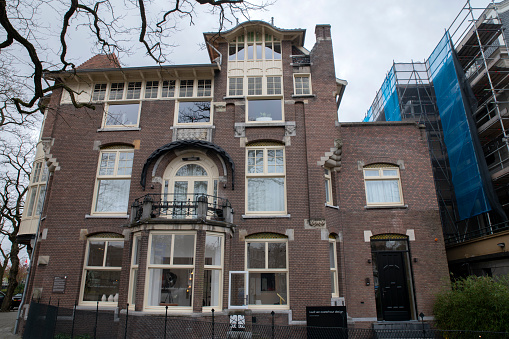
{"x": 474, "y": 304}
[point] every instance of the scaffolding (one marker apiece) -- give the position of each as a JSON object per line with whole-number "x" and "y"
{"x": 461, "y": 94}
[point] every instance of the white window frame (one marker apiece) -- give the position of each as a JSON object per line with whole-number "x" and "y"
{"x": 267, "y": 270}
{"x": 101, "y": 89}
{"x": 236, "y": 90}
{"x": 86, "y": 268}
{"x": 215, "y": 268}
{"x": 175, "y": 88}
{"x": 296, "y": 88}
{"x": 37, "y": 190}
{"x": 152, "y": 88}
{"x": 265, "y": 98}
{"x": 106, "y": 109}
{"x": 114, "y": 176}
{"x": 177, "y": 108}
{"x": 168, "y": 266}
{"x": 382, "y": 177}
{"x": 255, "y": 85}
{"x": 135, "y": 262}
{"x": 328, "y": 186}
{"x": 265, "y": 174}
{"x": 254, "y": 38}
{"x": 334, "y": 270}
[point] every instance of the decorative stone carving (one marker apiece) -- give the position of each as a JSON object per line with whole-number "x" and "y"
{"x": 193, "y": 134}
{"x": 290, "y": 129}
{"x": 314, "y": 223}
{"x": 240, "y": 130}
{"x": 220, "y": 107}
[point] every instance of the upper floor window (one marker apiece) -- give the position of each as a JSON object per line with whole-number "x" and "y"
{"x": 383, "y": 186}
{"x": 254, "y": 85}
{"x": 204, "y": 88}
{"x": 121, "y": 115}
{"x": 37, "y": 190}
{"x": 328, "y": 186}
{"x": 257, "y": 45}
{"x": 113, "y": 181}
{"x": 151, "y": 89}
{"x": 263, "y": 110}
{"x": 116, "y": 91}
{"x": 333, "y": 266}
{"x": 302, "y": 84}
{"x": 103, "y": 265}
{"x": 99, "y": 92}
{"x": 186, "y": 88}
{"x": 265, "y": 180}
{"x": 168, "y": 90}
{"x": 193, "y": 112}
{"x": 133, "y": 90}
{"x": 273, "y": 85}
{"x": 236, "y": 86}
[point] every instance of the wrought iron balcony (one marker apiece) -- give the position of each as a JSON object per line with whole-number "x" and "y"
{"x": 301, "y": 60}
{"x": 181, "y": 206}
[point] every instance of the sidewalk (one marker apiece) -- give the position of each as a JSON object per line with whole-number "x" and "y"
{"x": 7, "y": 321}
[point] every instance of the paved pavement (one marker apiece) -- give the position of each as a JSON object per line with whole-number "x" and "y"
{"x": 7, "y": 321}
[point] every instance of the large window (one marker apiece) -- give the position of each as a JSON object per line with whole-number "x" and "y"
{"x": 37, "y": 190}
{"x": 113, "y": 181}
{"x": 267, "y": 266}
{"x": 265, "y": 180}
{"x": 265, "y": 110}
{"x": 213, "y": 271}
{"x": 383, "y": 185}
{"x": 171, "y": 269}
{"x": 122, "y": 115}
{"x": 190, "y": 112}
{"x": 101, "y": 274}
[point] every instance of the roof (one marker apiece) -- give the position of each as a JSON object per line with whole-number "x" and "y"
{"x": 100, "y": 61}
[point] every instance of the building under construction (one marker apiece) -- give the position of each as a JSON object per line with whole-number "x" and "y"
{"x": 461, "y": 94}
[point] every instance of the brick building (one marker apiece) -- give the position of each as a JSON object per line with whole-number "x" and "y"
{"x": 231, "y": 186}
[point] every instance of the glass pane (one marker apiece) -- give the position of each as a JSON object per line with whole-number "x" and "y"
{"x": 265, "y": 194}
{"x": 180, "y": 200}
{"x": 114, "y": 253}
{"x": 255, "y": 161}
{"x": 391, "y": 173}
{"x": 117, "y": 91}
{"x": 332, "y": 255}
{"x": 371, "y": 173}
{"x": 180, "y": 190}
{"x": 168, "y": 90}
{"x": 213, "y": 250}
{"x": 389, "y": 245}
{"x": 40, "y": 200}
{"x": 277, "y": 254}
{"x": 133, "y": 90}
{"x": 211, "y": 283}
{"x": 200, "y": 188}
{"x": 333, "y": 281}
{"x": 327, "y": 197}
{"x": 125, "y": 163}
{"x": 134, "y": 279}
{"x": 267, "y": 289}
{"x": 33, "y": 194}
{"x": 258, "y": 51}
{"x": 136, "y": 250}
{"x": 151, "y": 89}
{"x": 277, "y": 50}
{"x": 95, "y": 253}
{"x": 250, "y": 51}
{"x": 383, "y": 191}
{"x": 124, "y": 115}
{"x": 264, "y": 110}
{"x": 191, "y": 170}
{"x": 268, "y": 50}
{"x": 113, "y": 196}
{"x": 107, "y": 166}
{"x": 160, "y": 251}
{"x": 256, "y": 255}
{"x": 240, "y": 52}
{"x": 238, "y": 289}
{"x": 184, "y": 250}
{"x": 194, "y": 111}
{"x": 275, "y": 161}
{"x": 101, "y": 285}
{"x": 36, "y": 172}
{"x": 170, "y": 287}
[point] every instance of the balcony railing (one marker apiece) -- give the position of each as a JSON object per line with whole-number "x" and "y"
{"x": 459, "y": 238}
{"x": 181, "y": 206}
{"x": 301, "y": 60}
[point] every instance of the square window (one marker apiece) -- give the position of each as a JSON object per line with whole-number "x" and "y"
{"x": 168, "y": 89}
{"x": 273, "y": 85}
{"x": 151, "y": 89}
{"x": 254, "y": 86}
{"x": 302, "y": 85}
{"x": 204, "y": 88}
{"x": 193, "y": 112}
{"x": 236, "y": 87}
{"x": 133, "y": 90}
{"x": 186, "y": 88}
{"x": 117, "y": 91}
{"x": 383, "y": 186}
{"x": 99, "y": 92}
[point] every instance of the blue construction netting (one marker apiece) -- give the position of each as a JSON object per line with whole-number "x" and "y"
{"x": 470, "y": 193}
{"x": 386, "y": 101}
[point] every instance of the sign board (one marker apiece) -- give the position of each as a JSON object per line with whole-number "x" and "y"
{"x": 326, "y": 322}
{"x": 59, "y": 284}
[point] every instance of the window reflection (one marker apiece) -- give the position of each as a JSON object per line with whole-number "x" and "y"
{"x": 265, "y": 110}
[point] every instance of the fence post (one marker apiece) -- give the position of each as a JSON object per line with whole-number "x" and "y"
{"x": 165, "y": 321}
{"x": 272, "y": 314}
{"x": 213, "y": 323}
{"x": 56, "y": 317}
{"x": 95, "y": 325}
{"x": 126, "y": 318}
{"x": 73, "y": 317}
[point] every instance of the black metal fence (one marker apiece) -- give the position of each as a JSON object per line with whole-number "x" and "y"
{"x": 53, "y": 322}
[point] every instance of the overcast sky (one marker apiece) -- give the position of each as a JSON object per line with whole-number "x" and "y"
{"x": 367, "y": 37}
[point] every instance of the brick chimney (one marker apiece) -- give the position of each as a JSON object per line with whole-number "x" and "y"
{"x": 322, "y": 32}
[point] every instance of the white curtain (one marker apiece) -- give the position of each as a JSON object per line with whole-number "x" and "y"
{"x": 266, "y": 194}
{"x": 382, "y": 191}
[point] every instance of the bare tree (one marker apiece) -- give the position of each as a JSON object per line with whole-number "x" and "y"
{"x": 16, "y": 156}
{"x": 109, "y": 23}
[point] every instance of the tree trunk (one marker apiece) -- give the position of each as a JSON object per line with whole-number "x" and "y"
{"x": 13, "y": 274}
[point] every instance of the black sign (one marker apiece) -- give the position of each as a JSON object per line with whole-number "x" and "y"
{"x": 59, "y": 284}
{"x": 326, "y": 322}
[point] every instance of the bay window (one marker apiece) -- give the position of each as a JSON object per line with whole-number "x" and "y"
{"x": 37, "y": 190}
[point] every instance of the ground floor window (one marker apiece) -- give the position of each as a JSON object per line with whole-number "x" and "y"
{"x": 267, "y": 268}
{"x": 101, "y": 273}
{"x": 213, "y": 271}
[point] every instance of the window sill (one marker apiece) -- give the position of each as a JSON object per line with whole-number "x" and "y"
{"x": 265, "y": 124}
{"x": 331, "y": 206}
{"x": 115, "y": 129}
{"x": 303, "y": 95}
{"x": 265, "y": 216}
{"x": 107, "y": 216}
{"x": 386, "y": 207}
{"x": 192, "y": 126}
{"x": 87, "y": 307}
{"x": 234, "y": 97}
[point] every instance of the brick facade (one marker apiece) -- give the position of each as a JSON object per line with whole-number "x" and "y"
{"x": 308, "y": 133}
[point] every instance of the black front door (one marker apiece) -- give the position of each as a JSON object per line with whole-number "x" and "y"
{"x": 393, "y": 286}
